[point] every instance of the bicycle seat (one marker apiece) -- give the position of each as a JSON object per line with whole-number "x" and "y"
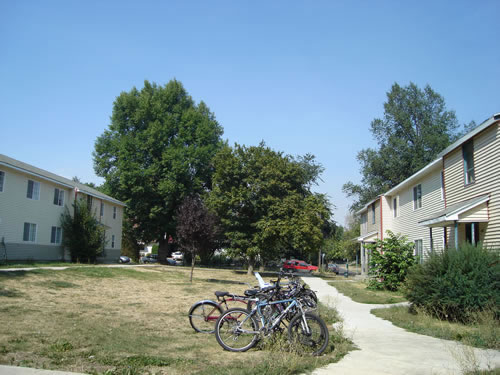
{"x": 221, "y": 294}
{"x": 251, "y": 292}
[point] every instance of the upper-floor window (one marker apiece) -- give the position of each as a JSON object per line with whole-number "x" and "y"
{"x": 102, "y": 209}
{"x": 58, "y": 197}
{"x": 442, "y": 185}
{"x": 114, "y": 212}
{"x": 29, "y": 233}
{"x": 417, "y": 196}
{"x": 395, "y": 206}
{"x": 2, "y": 179}
{"x": 33, "y": 190}
{"x": 373, "y": 213}
{"x": 364, "y": 222}
{"x": 55, "y": 235}
{"x": 468, "y": 154}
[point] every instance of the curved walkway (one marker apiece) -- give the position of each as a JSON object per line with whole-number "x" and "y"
{"x": 387, "y": 349}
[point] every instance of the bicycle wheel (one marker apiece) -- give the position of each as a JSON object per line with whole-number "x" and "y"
{"x": 236, "y": 330}
{"x": 314, "y": 342}
{"x": 203, "y": 315}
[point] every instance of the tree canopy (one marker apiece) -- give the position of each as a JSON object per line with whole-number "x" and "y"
{"x": 415, "y": 128}
{"x": 157, "y": 150}
{"x": 265, "y": 204}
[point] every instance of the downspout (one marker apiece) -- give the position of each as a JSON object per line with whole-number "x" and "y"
{"x": 381, "y": 221}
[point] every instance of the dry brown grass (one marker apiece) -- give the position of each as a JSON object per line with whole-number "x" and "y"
{"x": 126, "y": 321}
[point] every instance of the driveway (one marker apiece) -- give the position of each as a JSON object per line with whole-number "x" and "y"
{"x": 387, "y": 349}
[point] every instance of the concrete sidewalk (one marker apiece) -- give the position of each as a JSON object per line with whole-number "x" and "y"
{"x": 14, "y": 370}
{"x": 386, "y": 349}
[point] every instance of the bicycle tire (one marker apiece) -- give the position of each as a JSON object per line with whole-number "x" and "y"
{"x": 314, "y": 343}
{"x": 203, "y": 315}
{"x": 227, "y": 330}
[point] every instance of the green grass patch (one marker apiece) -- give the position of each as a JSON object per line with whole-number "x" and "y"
{"x": 358, "y": 292}
{"x": 484, "y": 332}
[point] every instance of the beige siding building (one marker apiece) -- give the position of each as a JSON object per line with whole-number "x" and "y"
{"x": 471, "y": 175}
{"x": 32, "y": 201}
{"x": 455, "y": 198}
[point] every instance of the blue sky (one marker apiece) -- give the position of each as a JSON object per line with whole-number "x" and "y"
{"x": 304, "y": 76}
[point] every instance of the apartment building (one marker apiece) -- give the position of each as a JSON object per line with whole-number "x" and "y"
{"x": 453, "y": 199}
{"x": 32, "y": 201}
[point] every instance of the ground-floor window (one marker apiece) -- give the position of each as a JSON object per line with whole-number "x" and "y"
{"x": 29, "y": 232}
{"x": 113, "y": 241}
{"x": 419, "y": 251}
{"x": 55, "y": 235}
{"x": 472, "y": 233}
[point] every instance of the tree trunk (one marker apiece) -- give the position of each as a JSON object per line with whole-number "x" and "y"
{"x": 251, "y": 264}
{"x": 192, "y": 265}
{"x": 163, "y": 250}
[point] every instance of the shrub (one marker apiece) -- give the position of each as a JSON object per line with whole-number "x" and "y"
{"x": 82, "y": 233}
{"x": 456, "y": 284}
{"x": 389, "y": 261}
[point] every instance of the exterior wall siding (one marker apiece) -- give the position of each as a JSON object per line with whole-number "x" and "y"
{"x": 406, "y": 222}
{"x": 487, "y": 180}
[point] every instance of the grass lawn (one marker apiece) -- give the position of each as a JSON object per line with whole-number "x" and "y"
{"x": 129, "y": 321}
{"x": 483, "y": 334}
{"x": 357, "y": 292}
{"x": 15, "y": 264}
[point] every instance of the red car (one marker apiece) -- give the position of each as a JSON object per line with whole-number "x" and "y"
{"x": 294, "y": 265}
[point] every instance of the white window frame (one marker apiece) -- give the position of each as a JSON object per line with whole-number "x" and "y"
{"x": 57, "y": 236}
{"x": 2, "y": 181}
{"x": 35, "y": 192}
{"x": 415, "y": 197}
{"x": 395, "y": 206}
{"x": 60, "y": 197}
{"x": 32, "y": 231}
{"x": 420, "y": 257}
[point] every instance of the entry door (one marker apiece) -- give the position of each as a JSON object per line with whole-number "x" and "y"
{"x": 468, "y": 233}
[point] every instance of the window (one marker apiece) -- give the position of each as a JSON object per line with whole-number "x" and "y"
{"x": 442, "y": 185}
{"x": 89, "y": 202}
{"x": 419, "y": 251}
{"x": 33, "y": 190}
{"x": 472, "y": 233}
{"x": 114, "y": 212}
{"x": 468, "y": 154}
{"x": 113, "y": 241}
{"x": 55, "y": 235}
{"x": 417, "y": 197}
{"x": 373, "y": 213}
{"x": 29, "y": 232}
{"x": 102, "y": 209}
{"x": 58, "y": 197}
{"x": 395, "y": 206}
{"x": 2, "y": 179}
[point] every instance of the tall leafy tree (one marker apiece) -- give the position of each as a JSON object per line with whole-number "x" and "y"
{"x": 157, "y": 150}
{"x": 265, "y": 204}
{"x": 416, "y": 126}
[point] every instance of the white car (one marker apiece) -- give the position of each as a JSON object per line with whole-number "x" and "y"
{"x": 177, "y": 255}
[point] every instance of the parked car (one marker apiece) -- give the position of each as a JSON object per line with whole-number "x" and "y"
{"x": 332, "y": 267}
{"x": 294, "y": 265}
{"x": 177, "y": 255}
{"x": 151, "y": 258}
{"x": 123, "y": 259}
{"x": 171, "y": 262}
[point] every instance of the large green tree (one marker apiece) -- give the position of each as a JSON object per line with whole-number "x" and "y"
{"x": 416, "y": 126}
{"x": 157, "y": 150}
{"x": 264, "y": 200}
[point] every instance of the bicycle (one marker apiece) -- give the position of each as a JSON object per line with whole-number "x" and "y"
{"x": 238, "y": 329}
{"x": 203, "y": 314}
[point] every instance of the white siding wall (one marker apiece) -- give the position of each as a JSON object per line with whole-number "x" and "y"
{"x": 406, "y": 222}
{"x": 487, "y": 180}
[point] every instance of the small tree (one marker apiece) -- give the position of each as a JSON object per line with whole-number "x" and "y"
{"x": 390, "y": 261}
{"x": 197, "y": 229}
{"x": 82, "y": 233}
